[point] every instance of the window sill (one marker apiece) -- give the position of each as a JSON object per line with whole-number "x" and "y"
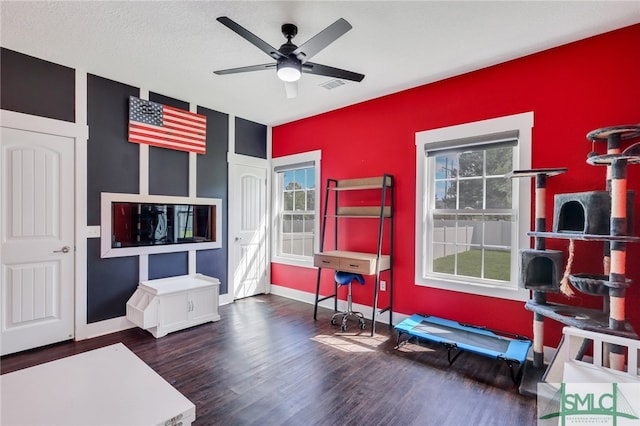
{"x": 303, "y": 263}
{"x": 477, "y": 289}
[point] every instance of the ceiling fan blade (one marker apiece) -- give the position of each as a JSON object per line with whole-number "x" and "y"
{"x": 291, "y": 87}
{"x": 318, "y": 69}
{"x": 245, "y": 69}
{"x": 322, "y": 40}
{"x": 251, "y": 38}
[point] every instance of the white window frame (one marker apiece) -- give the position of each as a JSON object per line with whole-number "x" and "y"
{"x": 475, "y": 133}
{"x": 290, "y": 161}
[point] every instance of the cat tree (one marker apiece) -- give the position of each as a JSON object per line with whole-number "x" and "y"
{"x": 604, "y": 216}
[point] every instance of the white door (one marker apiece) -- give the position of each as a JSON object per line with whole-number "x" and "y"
{"x": 248, "y": 238}
{"x": 37, "y": 239}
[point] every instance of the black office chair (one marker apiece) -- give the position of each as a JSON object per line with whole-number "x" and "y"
{"x": 346, "y": 278}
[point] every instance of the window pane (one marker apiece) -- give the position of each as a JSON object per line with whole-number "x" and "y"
{"x": 299, "y": 179}
{"x": 499, "y": 161}
{"x": 311, "y": 200}
{"x": 296, "y": 225}
{"x": 470, "y": 263}
{"x": 444, "y": 228}
{"x": 443, "y": 258}
{"x": 287, "y": 201}
{"x": 497, "y": 265}
{"x": 445, "y": 194}
{"x": 307, "y": 245}
{"x": 288, "y": 178}
{"x": 286, "y": 223}
{"x": 471, "y": 194}
{"x": 499, "y": 193}
{"x": 465, "y": 232}
{"x": 497, "y": 230}
{"x": 307, "y": 237}
{"x": 308, "y": 222}
{"x": 285, "y": 244}
{"x": 300, "y": 200}
{"x": 446, "y": 166}
{"x": 471, "y": 163}
{"x": 311, "y": 177}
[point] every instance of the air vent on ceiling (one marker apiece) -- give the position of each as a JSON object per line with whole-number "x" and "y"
{"x": 332, "y": 84}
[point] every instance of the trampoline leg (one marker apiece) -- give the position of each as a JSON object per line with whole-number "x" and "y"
{"x": 514, "y": 377}
{"x": 449, "y": 348}
{"x": 400, "y": 344}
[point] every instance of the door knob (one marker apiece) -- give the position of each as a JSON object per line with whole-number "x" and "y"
{"x": 238, "y": 239}
{"x": 64, "y": 249}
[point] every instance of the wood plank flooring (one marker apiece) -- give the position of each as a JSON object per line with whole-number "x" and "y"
{"x": 267, "y": 362}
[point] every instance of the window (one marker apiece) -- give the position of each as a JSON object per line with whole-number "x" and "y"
{"x": 471, "y": 220}
{"x": 296, "y": 201}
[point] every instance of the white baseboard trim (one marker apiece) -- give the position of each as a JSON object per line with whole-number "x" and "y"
{"x": 303, "y": 296}
{"x": 114, "y": 325}
{"x": 225, "y": 299}
{"x": 101, "y": 328}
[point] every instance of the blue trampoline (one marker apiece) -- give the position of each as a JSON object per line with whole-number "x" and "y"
{"x": 457, "y": 337}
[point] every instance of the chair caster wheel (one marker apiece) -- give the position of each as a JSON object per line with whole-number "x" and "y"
{"x": 343, "y": 328}
{"x": 333, "y": 321}
{"x": 362, "y": 326}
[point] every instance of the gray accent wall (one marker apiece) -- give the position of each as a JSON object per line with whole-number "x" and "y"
{"x": 165, "y": 265}
{"x": 113, "y": 165}
{"x": 110, "y": 283}
{"x": 37, "y": 87}
{"x": 212, "y": 182}
{"x": 251, "y": 138}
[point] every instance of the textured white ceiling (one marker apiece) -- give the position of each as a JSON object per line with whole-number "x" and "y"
{"x": 173, "y": 47}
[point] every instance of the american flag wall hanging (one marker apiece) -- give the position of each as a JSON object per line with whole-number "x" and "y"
{"x": 159, "y": 125}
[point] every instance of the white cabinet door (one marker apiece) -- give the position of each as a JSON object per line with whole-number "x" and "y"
{"x": 204, "y": 304}
{"x": 173, "y": 312}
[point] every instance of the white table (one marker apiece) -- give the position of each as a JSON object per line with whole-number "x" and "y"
{"x": 107, "y": 386}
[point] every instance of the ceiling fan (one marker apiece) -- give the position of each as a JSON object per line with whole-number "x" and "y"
{"x": 291, "y": 60}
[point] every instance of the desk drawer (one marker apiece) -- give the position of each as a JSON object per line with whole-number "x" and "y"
{"x": 358, "y": 266}
{"x": 323, "y": 261}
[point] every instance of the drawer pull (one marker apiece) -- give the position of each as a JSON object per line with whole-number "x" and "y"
{"x": 351, "y": 265}
{"x": 325, "y": 261}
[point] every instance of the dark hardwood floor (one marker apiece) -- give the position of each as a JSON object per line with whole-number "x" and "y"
{"x": 267, "y": 362}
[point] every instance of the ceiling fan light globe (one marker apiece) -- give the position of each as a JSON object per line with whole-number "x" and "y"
{"x": 288, "y": 72}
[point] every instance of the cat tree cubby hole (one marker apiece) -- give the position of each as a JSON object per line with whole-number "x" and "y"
{"x": 587, "y": 212}
{"x": 541, "y": 270}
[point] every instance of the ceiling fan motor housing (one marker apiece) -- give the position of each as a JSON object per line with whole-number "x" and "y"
{"x": 289, "y": 31}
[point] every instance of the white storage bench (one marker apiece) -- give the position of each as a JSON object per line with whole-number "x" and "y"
{"x": 169, "y": 304}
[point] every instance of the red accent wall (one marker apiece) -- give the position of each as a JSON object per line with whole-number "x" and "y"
{"x": 571, "y": 89}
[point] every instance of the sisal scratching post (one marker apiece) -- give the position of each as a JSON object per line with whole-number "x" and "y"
{"x": 617, "y": 314}
{"x": 565, "y": 287}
